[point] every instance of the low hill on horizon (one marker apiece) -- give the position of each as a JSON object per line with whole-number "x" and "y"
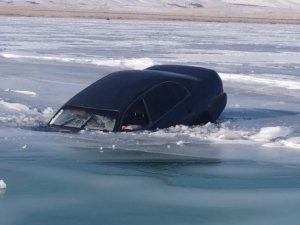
{"x": 277, "y": 11}
{"x": 155, "y": 4}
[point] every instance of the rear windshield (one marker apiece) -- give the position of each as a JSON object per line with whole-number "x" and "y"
{"x": 80, "y": 118}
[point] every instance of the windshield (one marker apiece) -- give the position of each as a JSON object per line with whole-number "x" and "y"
{"x": 79, "y": 118}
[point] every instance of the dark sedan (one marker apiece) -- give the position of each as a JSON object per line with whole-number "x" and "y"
{"x": 157, "y": 97}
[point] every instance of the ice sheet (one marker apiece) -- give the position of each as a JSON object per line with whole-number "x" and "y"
{"x": 243, "y": 170}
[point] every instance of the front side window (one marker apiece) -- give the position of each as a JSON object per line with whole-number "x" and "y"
{"x": 136, "y": 117}
{"x": 79, "y": 118}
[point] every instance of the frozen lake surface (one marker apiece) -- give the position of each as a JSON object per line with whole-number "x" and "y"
{"x": 243, "y": 170}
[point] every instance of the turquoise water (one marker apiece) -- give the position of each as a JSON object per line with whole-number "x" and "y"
{"x": 54, "y": 181}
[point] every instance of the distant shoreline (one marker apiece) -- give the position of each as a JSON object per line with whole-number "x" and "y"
{"x": 202, "y": 15}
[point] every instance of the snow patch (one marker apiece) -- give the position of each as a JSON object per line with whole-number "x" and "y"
{"x": 272, "y": 82}
{"x": 134, "y": 63}
{"x": 141, "y": 63}
{"x": 30, "y": 93}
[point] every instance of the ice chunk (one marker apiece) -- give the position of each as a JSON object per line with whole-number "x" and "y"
{"x": 269, "y": 133}
{"x": 48, "y": 110}
{"x": 140, "y": 63}
{"x": 2, "y": 184}
{"x": 180, "y": 143}
{"x": 48, "y": 113}
{"x": 293, "y": 143}
{"x": 13, "y": 106}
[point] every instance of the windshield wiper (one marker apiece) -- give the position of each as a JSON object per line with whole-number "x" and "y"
{"x": 88, "y": 120}
{"x": 68, "y": 121}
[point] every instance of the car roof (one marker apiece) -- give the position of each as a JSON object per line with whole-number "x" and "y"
{"x": 117, "y": 90}
{"x": 198, "y": 73}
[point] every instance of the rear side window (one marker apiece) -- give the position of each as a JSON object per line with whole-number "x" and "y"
{"x": 163, "y": 98}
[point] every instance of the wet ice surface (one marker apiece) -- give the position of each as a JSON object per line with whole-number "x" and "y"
{"x": 242, "y": 170}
